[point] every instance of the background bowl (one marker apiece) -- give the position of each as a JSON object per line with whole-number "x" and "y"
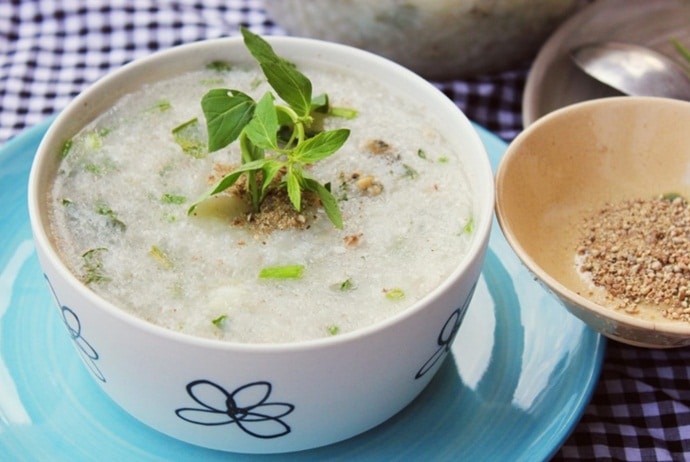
{"x": 569, "y": 164}
{"x": 436, "y": 38}
{"x": 262, "y": 398}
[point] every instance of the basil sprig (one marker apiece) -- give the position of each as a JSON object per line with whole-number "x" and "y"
{"x": 261, "y": 127}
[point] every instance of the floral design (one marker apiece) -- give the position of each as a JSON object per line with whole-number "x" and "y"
{"x": 73, "y": 325}
{"x": 247, "y": 407}
{"x": 446, "y": 336}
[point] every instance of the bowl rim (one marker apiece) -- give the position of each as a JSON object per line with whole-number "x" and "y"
{"x": 483, "y": 215}
{"x": 663, "y": 327}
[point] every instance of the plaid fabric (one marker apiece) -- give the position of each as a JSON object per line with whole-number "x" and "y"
{"x": 50, "y": 50}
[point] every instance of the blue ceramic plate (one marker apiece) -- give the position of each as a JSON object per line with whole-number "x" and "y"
{"x": 520, "y": 373}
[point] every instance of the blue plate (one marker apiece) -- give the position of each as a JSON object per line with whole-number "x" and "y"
{"x": 521, "y": 371}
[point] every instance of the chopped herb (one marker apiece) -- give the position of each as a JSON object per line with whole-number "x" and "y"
{"x": 410, "y": 172}
{"x": 161, "y": 258}
{"x": 188, "y": 136}
{"x": 346, "y": 285}
{"x": 66, "y": 148}
{"x": 220, "y": 321}
{"x": 469, "y": 226}
{"x": 173, "y": 199}
{"x": 443, "y": 160}
{"x": 343, "y": 112}
{"x": 94, "y": 138}
{"x": 421, "y": 153}
{"x": 66, "y": 202}
{"x": 93, "y": 266}
{"x": 395, "y": 294}
{"x": 333, "y": 329}
{"x": 219, "y": 66}
{"x": 282, "y": 272}
{"x": 103, "y": 167}
{"x": 103, "y": 209}
{"x": 160, "y": 106}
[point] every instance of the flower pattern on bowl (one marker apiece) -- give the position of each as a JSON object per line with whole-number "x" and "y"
{"x": 446, "y": 336}
{"x": 73, "y": 325}
{"x": 246, "y": 406}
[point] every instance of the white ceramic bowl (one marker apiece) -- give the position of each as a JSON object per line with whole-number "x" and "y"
{"x": 568, "y": 165}
{"x": 436, "y": 38}
{"x": 262, "y": 398}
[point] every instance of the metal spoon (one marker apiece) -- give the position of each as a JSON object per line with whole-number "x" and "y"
{"x": 633, "y": 69}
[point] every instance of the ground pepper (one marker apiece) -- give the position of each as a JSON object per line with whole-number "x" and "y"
{"x": 639, "y": 252}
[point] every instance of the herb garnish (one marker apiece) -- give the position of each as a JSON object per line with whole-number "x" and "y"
{"x": 233, "y": 115}
{"x": 93, "y": 266}
{"x": 282, "y": 272}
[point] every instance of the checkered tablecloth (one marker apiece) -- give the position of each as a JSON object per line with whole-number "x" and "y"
{"x": 51, "y": 49}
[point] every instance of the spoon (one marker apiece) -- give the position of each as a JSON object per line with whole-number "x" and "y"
{"x": 633, "y": 69}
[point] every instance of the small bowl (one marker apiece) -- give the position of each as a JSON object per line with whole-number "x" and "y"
{"x": 569, "y": 164}
{"x": 436, "y": 38}
{"x": 260, "y": 398}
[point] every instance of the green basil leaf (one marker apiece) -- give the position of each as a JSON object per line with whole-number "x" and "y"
{"x": 270, "y": 170}
{"x": 321, "y": 145}
{"x": 329, "y": 202}
{"x": 228, "y": 180}
{"x": 262, "y": 130}
{"x": 289, "y": 83}
{"x": 293, "y": 189}
{"x": 227, "y": 112}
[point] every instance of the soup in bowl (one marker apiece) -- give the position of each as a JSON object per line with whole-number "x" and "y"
{"x": 304, "y": 321}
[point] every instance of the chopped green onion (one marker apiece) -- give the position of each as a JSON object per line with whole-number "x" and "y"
{"x": 395, "y": 294}
{"x": 220, "y": 321}
{"x": 173, "y": 199}
{"x": 189, "y": 137}
{"x": 161, "y": 258}
{"x": 333, "y": 329}
{"x": 282, "y": 272}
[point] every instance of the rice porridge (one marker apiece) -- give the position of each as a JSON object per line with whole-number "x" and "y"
{"x": 120, "y": 215}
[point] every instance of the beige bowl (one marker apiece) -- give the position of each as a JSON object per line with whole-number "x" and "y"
{"x": 569, "y": 164}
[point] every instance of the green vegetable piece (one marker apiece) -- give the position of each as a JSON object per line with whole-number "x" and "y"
{"x": 282, "y": 272}
{"x": 395, "y": 294}
{"x": 161, "y": 106}
{"x": 188, "y": 136}
{"x": 443, "y": 160}
{"x": 347, "y": 285}
{"x": 469, "y": 226}
{"x": 333, "y": 330}
{"x": 66, "y": 148}
{"x": 219, "y": 66}
{"x": 168, "y": 198}
{"x": 220, "y": 321}
{"x": 161, "y": 258}
{"x": 103, "y": 209}
{"x": 410, "y": 172}
{"x": 93, "y": 266}
{"x": 421, "y": 153}
{"x": 343, "y": 112}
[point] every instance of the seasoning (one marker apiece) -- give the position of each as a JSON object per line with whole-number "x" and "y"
{"x": 639, "y": 252}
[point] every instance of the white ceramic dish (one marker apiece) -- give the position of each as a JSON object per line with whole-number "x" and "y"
{"x": 272, "y": 397}
{"x": 554, "y": 81}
